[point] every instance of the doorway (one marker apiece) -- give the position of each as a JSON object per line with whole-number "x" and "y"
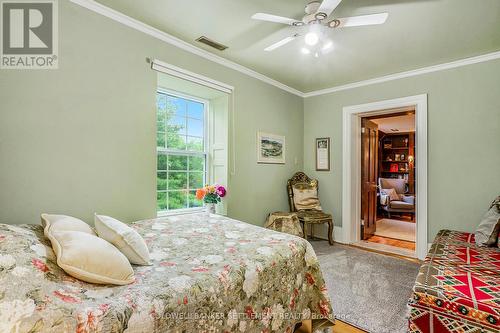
{"x": 388, "y": 202}
{"x": 352, "y": 218}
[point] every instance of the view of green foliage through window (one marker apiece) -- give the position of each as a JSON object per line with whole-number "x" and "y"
{"x": 181, "y": 166}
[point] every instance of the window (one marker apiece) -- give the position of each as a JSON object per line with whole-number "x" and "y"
{"x": 181, "y": 150}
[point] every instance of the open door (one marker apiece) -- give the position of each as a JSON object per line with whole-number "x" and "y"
{"x": 369, "y": 171}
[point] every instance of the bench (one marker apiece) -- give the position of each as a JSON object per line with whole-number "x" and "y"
{"x": 457, "y": 288}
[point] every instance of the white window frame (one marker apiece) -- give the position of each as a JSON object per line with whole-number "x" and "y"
{"x": 205, "y": 153}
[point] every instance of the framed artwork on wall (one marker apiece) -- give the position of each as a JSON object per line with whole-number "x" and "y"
{"x": 270, "y": 148}
{"x": 323, "y": 154}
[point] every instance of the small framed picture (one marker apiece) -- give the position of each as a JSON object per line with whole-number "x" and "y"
{"x": 270, "y": 148}
{"x": 323, "y": 154}
{"x": 397, "y": 157}
{"x": 402, "y": 157}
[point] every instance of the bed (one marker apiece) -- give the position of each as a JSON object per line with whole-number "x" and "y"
{"x": 208, "y": 274}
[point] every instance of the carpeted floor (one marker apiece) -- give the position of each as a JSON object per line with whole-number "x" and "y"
{"x": 368, "y": 290}
{"x": 396, "y": 229}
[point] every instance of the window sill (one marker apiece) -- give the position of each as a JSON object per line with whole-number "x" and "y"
{"x": 180, "y": 212}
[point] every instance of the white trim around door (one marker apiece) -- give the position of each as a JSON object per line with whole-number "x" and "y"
{"x": 351, "y": 155}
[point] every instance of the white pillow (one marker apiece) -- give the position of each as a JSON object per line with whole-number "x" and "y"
{"x": 52, "y": 222}
{"x": 126, "y": 239}
{"x": 393, "y": 195}
{"x": 488, "y": 229}
{"x": 90, "y": 258}
{"x": 305, "y": 197}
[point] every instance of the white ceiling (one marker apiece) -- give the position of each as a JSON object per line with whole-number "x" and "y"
{"x": 418, "y": 33}
{"x": 404, "y": 123}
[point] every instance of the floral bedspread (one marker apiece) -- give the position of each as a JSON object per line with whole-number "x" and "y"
{"x": 209, "y": 274}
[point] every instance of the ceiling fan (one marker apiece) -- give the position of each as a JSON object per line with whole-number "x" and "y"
{"x": 317, "y": 14}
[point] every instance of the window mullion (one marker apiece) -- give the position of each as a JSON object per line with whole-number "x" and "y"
{"x": 187, "y": 185}
{"x": 180, "y": 152}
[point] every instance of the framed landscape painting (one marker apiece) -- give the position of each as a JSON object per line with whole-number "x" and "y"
{"x": 270, "y": 148}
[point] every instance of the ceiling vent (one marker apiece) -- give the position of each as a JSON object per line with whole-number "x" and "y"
{"x": 211, "y": 43}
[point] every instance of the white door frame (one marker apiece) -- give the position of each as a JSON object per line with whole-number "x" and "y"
{"x": 351, "y": 180}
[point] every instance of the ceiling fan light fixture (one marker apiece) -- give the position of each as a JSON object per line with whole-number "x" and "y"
{"x": 333, "y": 24}
{"x": 317, "y": 22}
{"x": 311, "y": 38}
{"x": 320, "y": 16}
{"x": 305, "y": 50}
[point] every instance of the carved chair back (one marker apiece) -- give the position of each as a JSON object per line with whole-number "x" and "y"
{"x": 297, "y": 178}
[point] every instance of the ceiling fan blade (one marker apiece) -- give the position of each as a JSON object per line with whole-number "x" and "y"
{"x": 356, "y": 21}
{"x": 328, "y": 6}
{"x": 280, "y": 43}
{"x": 273, "y": 18}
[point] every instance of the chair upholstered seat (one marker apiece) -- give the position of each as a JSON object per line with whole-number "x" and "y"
{"x": 402, "y": 205}
{"x": 313, "y": 216}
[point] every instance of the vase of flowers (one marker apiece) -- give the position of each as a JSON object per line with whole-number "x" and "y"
{"x": 211, "y": 195}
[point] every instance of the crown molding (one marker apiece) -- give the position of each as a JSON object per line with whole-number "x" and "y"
{"x": 165, "y": 37}
{"x": 401, "y": 75}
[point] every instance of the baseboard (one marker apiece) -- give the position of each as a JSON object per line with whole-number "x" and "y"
{"x": 337, "y": 234}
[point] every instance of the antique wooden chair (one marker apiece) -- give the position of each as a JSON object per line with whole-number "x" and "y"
{"x": 308, "y": 217}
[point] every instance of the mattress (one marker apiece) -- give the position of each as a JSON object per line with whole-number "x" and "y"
{"x": 209, "y": 273}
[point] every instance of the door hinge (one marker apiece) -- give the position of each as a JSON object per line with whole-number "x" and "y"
{"x": 362, "y": 130}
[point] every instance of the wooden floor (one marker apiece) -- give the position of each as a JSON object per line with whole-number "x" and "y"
{"x": 340, "y": 327}
{"x": 393, "y": 242}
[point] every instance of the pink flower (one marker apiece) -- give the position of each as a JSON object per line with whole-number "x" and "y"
{"x": 104, "y": 307}
{"x": 324, "y": 290}
{"x": 310, "y": 278}
{"x": 324, "y": 308}
{"x": 40, "y": 265}
{"x": 231, "y": 249}
{"x": 249, "y": 312}
{"x": 88, "y": 321}
{"x": 221, "y": 191}
{"x": 200, "y": 269}
{"x": 167, "y": 264}
{"x": 66, "y": 297}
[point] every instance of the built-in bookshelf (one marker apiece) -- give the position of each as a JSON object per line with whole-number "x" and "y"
{"x": 397, "y": 157}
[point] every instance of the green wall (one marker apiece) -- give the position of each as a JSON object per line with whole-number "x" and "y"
{"x": 463, "y": 140}
{"x": 82, "y": 138}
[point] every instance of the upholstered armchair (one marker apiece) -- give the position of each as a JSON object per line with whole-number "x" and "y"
{"x": 303, "y": 200}
{"x": 400, "y": 202}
